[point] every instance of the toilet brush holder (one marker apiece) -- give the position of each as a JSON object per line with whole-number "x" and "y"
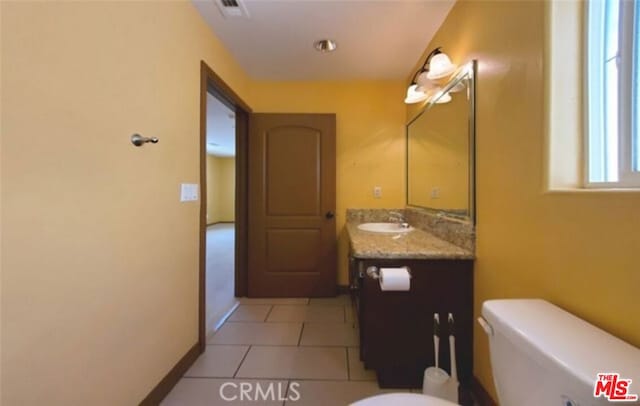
{"x": 451, "y": 390}
{"x": 437, "y": 383}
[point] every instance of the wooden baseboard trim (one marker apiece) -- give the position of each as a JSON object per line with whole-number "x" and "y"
{"x": 480, "y": 394}
{"x": 220, "y": 222}
{"x": 167, "y": 383}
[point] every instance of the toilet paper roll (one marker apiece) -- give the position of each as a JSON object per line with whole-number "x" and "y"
{"x": 395, "y": 279}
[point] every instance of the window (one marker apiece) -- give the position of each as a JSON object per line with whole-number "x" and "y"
{"x": 613, "y": 93}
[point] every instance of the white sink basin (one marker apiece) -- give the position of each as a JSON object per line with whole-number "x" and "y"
{"x": 384, "y": 228}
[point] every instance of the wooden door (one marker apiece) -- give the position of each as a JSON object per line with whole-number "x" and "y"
{"x": 292, "y": 226}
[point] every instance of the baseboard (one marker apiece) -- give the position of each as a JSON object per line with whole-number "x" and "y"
{"x": 167, "y": 383}
{"x": 481, "y": 395}
{"x": 220, "y": 222}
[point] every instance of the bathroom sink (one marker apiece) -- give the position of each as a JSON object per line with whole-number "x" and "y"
{"x": 384, "y": 228}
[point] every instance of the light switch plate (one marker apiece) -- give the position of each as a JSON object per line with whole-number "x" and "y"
{"x": 435, "y": 193}
{"x": 188, "y": 192}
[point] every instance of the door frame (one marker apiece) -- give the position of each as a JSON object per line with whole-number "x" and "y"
{"x": 210, "y": 82}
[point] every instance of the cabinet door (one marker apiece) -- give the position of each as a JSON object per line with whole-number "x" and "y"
{"x": 397, "y": 327}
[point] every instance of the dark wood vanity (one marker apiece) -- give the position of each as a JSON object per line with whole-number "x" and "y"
{"x": 396, "y": 327}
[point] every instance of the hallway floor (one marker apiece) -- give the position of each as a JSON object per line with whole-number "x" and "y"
{"x": 220, "y": 270}
{"x": 312, "y": 343}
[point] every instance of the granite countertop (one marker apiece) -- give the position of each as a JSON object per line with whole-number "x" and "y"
{"x": 416, "y": 244}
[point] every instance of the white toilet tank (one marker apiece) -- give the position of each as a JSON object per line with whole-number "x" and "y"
{"x": 542, "y": 355}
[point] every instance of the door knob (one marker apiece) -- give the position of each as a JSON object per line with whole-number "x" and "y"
{"x": 329, "y": 215}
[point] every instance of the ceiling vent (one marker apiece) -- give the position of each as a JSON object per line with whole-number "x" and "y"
{"x": 232, "y": 8}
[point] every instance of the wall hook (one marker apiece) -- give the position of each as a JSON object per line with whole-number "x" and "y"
{"x": 138, "y": 140}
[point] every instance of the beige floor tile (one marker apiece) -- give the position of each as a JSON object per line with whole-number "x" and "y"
{"x": 356, "y": 367}
{"x": 218, "y": 361}
{"x": 323, "y": 393}
{"x": 350, "y": 314}
{"x": 274, "y": 300}
{"x": 248, "y": 333}
{"x": 330, "y": 334}
{"x": 306, "y": 313}
{"x": 210, "y": 392}
{"x": 340, "y": 300}
{"x": 250, "y": 313}
{"x": 295, "y": 363}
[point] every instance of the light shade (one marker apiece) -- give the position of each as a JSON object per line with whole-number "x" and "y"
{"x": 414, "y": 95}
{"x": 440, "y": 66}
{"x": 424, "y": 84}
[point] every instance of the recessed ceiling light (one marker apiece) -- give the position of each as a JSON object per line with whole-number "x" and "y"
{"x": 325, "y": 45}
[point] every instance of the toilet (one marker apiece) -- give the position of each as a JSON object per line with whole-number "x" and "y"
{"x": 541, "y": 355}
{"x": 403, "y": 399}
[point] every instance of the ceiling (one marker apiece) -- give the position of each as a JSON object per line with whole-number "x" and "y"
{"x": 221, "y": 128}
{"x": 377, "y": 39}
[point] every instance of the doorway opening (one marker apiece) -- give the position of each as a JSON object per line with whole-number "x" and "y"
{"x": 220, "y": 235}
{"x": 223, "y": 210}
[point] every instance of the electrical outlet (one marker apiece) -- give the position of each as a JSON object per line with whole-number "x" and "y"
{"x": 435, "y": 193}
{"x": 377, "y": 192}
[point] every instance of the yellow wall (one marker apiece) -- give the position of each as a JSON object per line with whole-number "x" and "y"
{"x": 575, "y": 249}
{"x": 99, "y": 257}
{"x": 221, "y": 188}
{"x": 370, "y": 139}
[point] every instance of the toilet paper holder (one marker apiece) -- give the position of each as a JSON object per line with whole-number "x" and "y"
{"x": 374, "y": 273}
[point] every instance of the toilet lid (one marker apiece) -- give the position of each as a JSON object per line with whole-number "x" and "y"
{"x": 404, "y": 399}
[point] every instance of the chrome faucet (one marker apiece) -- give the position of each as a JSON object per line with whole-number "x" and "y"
{"x": 398, "y": 217}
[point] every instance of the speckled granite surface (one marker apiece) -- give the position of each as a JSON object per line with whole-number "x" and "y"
{"x": 371, "y": 215}
{"x": 459, "y": 232}
{"x": 416, "y": 244}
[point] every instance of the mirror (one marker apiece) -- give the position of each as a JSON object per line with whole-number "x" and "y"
{"x": 440, "y": 149}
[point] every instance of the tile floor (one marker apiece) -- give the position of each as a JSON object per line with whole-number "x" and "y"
{"x": 302, "y": 349}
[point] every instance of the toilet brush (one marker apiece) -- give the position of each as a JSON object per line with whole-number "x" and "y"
{"x": 452, "y": 384}
{"x": 435, "y": 382}
{"x": 436, "y": 337}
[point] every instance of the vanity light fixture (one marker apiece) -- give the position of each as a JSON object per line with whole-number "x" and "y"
{"x": 436, "y": 66}
{"x": 442, "y": 98}
{"x": 415, "y": 95}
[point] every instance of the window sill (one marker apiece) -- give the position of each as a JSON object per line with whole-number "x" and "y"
{"x": 593, "y": 190}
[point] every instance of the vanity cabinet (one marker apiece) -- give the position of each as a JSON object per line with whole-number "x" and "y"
{"x": 396, "y": 328}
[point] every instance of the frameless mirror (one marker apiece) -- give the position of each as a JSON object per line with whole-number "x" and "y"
{"x": 440, "y": 149}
